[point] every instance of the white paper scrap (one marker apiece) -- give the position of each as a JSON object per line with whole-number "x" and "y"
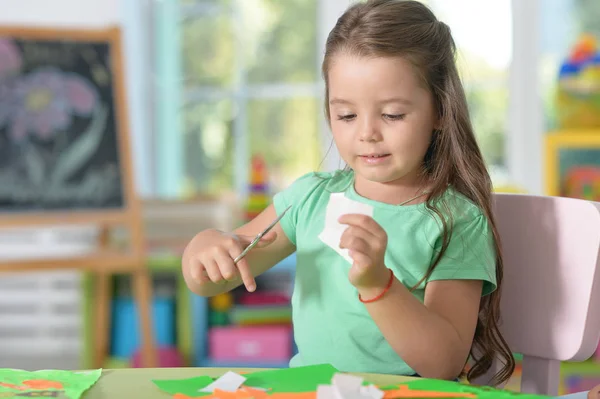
{"x": 332, "y": 232}
{"x": 372, "y": 392}
{"x": 346, "y": 382}
{"x": 229, "y": 382}
{"x": 346, "y": 386}
{"x": 326, "y": 392}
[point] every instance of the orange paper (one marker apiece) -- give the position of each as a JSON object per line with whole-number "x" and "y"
{"x": 250, "y": 393}
{"x": 43, "y": 384}
{"x": 405, "y": 392}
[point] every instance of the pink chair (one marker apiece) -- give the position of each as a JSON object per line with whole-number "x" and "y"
{"x": 551, "y": 291}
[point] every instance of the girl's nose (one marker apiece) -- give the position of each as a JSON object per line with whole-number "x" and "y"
{"x": 370, "y": 132}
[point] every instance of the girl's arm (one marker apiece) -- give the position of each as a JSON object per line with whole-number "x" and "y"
{"x": 433, "y": 337}
{"x": 211, "y": 245}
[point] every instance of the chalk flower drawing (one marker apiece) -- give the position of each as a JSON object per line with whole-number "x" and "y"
{"x": 45, "y": 102}
{"x": 10, "y": 57}
{"x": 10, "y": 63}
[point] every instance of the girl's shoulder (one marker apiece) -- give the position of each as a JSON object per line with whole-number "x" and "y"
{"x": 459, "y": 205}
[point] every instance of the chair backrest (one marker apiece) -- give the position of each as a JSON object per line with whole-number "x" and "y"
{"x": 551, "y": 288}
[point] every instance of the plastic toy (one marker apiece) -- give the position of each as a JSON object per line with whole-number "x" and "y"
{"x": 258, "y": 196}
{"x": 578, "y": 94}
{"x": 222, "y": 302}
{"x": 219, "y": 319}
{"x": 582, "y": 182}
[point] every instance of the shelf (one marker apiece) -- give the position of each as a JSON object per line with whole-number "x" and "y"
{"x": 200, "y": 323}
{"x": 574, "y": 132}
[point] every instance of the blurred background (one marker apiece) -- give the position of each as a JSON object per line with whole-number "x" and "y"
{"x": 224, "y": 108}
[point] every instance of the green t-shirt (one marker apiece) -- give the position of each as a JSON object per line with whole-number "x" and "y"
{"x": 330, "y": 324}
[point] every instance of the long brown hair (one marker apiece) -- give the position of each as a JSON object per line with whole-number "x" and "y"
{"x": 393, "y": 28}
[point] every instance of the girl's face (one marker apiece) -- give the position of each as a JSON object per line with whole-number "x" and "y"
{"x": 382, "y": 118}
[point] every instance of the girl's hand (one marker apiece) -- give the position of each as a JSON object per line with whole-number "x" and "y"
{"x": 212, "y": 253}
{"x": 366, "y": 241}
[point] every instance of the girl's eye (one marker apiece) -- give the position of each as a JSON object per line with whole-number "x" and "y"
{"x": 395, "y": 117}
{"x": 347, "y": 117}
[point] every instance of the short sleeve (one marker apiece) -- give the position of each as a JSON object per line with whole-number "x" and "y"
{"x": 471, "y": 254}
{"x": 297, "y": 195}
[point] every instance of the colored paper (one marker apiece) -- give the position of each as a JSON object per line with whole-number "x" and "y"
{"x": 405, "y": 392}
{"x": 347, "y": 386}
{"x": 481, "y": 392}
{"x": 46, "y": 383}
{"x": 228, "y": 382}
{"x": 248, "y": 393}
{"x": 188, "y": 387}
{"x": 340, "y": 205}
{"x": 293, "y": 379}
{"x": 307, "y": 382}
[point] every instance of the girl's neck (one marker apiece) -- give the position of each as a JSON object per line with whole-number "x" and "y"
{"x": 395, "y": 192}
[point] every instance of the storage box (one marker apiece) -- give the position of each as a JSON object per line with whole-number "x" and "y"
{"x": 261, "y": 343}
{"x": 125, "y": 329}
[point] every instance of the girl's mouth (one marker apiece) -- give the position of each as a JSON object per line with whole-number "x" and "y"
{"x": 373, "y": 159}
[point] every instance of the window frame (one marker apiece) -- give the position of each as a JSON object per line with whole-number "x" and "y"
{"x": 523, "y": 136}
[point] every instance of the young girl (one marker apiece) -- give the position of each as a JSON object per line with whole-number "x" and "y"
{"x": 423, "y": 290}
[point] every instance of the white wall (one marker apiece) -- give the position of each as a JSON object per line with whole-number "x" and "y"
{"x": 96, "y": 14}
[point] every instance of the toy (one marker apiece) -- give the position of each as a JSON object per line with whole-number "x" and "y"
{"x": 582, "y": 182}
{"x": 578, "y": 94}
{"x": 258, "y": 197}
{"x": 222, "y": 302}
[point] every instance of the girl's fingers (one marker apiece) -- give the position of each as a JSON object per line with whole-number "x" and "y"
{"x": 360, "y": 259}
{"x": 354, "y": 231}
{"x": 243, "y": 269}
{"x": 365, "y": 223}
{"x": 354, "y": 243}
{"x": 246, "y": 275}
{"x": 226, "y": 266}
{"x": 198, "y": 272}
{"x": 212, "y": 269}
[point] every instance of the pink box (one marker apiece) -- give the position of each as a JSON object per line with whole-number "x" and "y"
{"x": 260, "y": 343}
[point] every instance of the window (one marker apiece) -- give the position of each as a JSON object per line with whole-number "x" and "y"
{"x": 247, "y": 82}
{"x": 238, "y": 77}
{"x": 484, "y": 47}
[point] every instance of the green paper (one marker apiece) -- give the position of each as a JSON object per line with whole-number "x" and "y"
{"x": 187, "y": 386}
{"x": 482, "y": 392}
{"x": 294, "y": 379}
{"x": 18, "y": 384}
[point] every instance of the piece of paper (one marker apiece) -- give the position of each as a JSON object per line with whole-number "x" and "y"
{"x": 405, "y": 392}
{"x": 332, "y": 232}
{"x": 188, "y": 386}
{"x": 347, "y": 386}
{"x": 228, "y": 382}
{"x": 326, "y": 392}
{"x": 372, "y": 391}
{"x": 293, "y": 379}
{"x": 46, "y": 383}
{"x": 346, "y": 382}
{"x": 247, "y": 393}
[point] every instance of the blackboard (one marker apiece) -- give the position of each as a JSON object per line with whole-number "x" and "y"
{"x": 60, "y": 133}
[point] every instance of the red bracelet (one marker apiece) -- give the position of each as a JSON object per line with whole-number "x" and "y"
{"x": 386, "y": 289}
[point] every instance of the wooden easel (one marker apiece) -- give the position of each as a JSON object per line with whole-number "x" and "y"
{"x": 105, "y": 261}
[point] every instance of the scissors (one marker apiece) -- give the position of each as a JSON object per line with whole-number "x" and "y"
{"x": 259, "y": 236}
